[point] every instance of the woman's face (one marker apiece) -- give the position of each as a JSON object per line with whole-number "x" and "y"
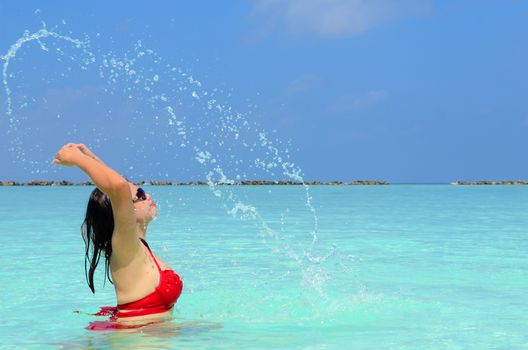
{"x": 144, "y": 206}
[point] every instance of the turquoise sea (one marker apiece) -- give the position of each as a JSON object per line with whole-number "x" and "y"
{"x": 393, "y": 267}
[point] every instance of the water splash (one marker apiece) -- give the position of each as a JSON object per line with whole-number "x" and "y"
{"x": 26, "y": 38}
{"x": 217, "y": 136}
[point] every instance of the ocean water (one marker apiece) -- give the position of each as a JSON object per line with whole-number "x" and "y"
{"x": 393, "y": 267}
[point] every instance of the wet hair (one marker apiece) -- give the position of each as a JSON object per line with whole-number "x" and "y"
{"x": 97, "y": 230}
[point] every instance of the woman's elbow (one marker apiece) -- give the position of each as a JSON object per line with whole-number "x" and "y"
{"x": 121, "y": 185}
{"x": 118, "y": 187}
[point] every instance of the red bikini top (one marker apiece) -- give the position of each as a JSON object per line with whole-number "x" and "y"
{"x": 160, "y": 300}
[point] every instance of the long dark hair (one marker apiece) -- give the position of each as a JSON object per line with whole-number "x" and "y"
{"x": 97, "y": 230}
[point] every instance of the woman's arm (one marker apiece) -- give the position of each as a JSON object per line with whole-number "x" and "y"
{"x": 105, "y": 178}
{"x": 87, "y": 152}
{"x": 124, "y": 239}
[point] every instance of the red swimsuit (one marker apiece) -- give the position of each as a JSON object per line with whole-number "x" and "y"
{"x": 162, "y": 299}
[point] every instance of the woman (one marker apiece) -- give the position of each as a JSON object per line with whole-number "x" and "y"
{"x": 116, "y": 221}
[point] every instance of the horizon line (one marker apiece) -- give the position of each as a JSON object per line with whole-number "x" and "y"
{"x": 65, "y": 183}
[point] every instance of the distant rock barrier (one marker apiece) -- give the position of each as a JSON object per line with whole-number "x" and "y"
{"x": 486, "y": 182}
{"x": 40, "y": 183}
{"x": 338, "y": 183}
{"x": 198, "y": 183}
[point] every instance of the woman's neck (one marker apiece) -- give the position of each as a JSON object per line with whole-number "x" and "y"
{"x": 141, "y": 229}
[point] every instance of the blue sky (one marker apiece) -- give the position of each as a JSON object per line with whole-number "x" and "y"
{"x": 404, "y": 91}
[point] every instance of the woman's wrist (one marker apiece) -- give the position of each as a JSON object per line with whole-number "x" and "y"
{"x": 81, "y": 159}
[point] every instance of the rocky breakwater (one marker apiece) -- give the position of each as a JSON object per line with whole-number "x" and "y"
{"x": 44, "y": 183}
{"x": 487, "y": 182}
{"x": 324, "y": 183}
{"x": 259, "y": 183}
{"x": 342, "y": 183}
{"x": 199, "y": 183}
{"x": 9, "y": 183}
{"x": 169, "y": 183}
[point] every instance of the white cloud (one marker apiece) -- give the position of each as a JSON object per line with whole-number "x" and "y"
{"x": 334, "y": 18}
{"x": 303, "y": 83}
{"x": 355, "y": 102}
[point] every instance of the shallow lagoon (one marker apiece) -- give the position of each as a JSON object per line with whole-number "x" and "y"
{"x": 414, "y": 267}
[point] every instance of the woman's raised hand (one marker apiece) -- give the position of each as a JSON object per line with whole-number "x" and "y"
{"x": 84, "y": 149}
{"x": 69, "y": 154}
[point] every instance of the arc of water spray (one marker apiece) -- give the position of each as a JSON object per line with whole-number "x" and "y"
{"x": 26, "y": 38}
{"x": 289, "y": 169}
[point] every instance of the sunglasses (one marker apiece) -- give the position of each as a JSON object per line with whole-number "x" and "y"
{"x": 140, "y": 196}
